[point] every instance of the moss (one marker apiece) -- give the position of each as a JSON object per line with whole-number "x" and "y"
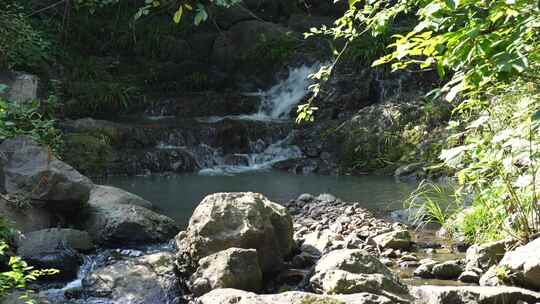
{"x": 315, "y": 300}
{"x": 88, "y": 153}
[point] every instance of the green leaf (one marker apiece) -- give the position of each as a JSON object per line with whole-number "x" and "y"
{"x": 178, "y": 15}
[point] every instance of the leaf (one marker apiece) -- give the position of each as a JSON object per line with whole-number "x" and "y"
{"x": 178, "y": 15}
{"x": 201, "y": 15}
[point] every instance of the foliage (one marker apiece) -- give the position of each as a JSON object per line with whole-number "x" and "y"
{"x": 198, "y": 8}
{"x": 18, "y": 273}
{"x": 21, "y": 44}
{"x": 498, "y": 160}
{"x": 431, "y": 203}
{"x": 29, "y": 118}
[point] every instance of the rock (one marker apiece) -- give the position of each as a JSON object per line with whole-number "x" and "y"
{"x": 303, "y": 23}
{"x": 115, "y": 224}
{"x": 234, "y": 296}
{"x": 472, "y": 295}
{"x": 521, "y": 266}
{"x": 19, "y": 297}
{"x": 107, "y": 195}
{"x": 240, "y": 39}
{"x": 326, "y": 198}
{"x": 31, "y": 169}
{"x": 148, "y": 279}
{"x": 28, "y": 218}
{"x": 490, "y": 277}
{"x": 236, "y": 160}
{"x": 317, "y": 243}
{"x": 486, "y": 255}
{"x": 409, "y": 170}
{"x": 305, "y": 197}
{"x": 395, "y": 239}
{"x": 425, "y": 270}
{"x": 22, "y": 87}
{"x": 243, "y": 220}
{"x": 448, "y": 270}
{"x": 232, "y": 268}
{"x": 55, "y": 248}
{"x": 349, "y": 271}
{"x": 469, "y": 277}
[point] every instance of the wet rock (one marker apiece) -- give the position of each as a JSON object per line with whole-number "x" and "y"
{"x": 304, "y": 260}
{"x": 395, "y": 239}
{"x": 31, "y": 169}
{"x": 236, "y": 160}
{"x": 349, "y": 271}
{"x": 55, "y": 248}
{"x": 114, "y": 224}
{"x": 232, "y": 268}
{"x": 485, "y": 255}
{"x": 306, "y": 198}
{"x": 242, "y": 220}
{"x": 107, "y": 195}
{"x": 148, "y": 279}
{"x": 448, "y": 270}
{"x": 230, "y": 296}
{"x": 472, "y": 295}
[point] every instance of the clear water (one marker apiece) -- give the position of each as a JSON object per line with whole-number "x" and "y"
{"x": 178, "y": 195}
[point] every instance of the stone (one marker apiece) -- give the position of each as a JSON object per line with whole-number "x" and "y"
{"x": 522, "y": 266}
{"x": 472, "y": 295}
{"x": 234, "y": 296}
{"x": 305, "y": 197}
{"x": 485, "y": 255}
{"x": 448, "y": 270}
{"x": 469, "y": 276}
{"x": 425, "y": 270}
{"x": 30, "y": 218}
{"x": 242, "y": 220}
{"x": 55, "y": 248}
{"x": 349, "y": 271}
{"x": 231, "y": 268}
{"x": 108, "y": 195}
{"x": 32, "y": 170}
{"x": 22, "y": 87}
{"x": 117, "y": 224}
{"x": 326, "y": 198}
{"x": 400, "y": 239}
{"x": 318, "y": 242}
{"x": 148, "y": 279}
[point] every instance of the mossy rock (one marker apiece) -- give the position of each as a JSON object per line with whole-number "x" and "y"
{"x": 88, "y": 153}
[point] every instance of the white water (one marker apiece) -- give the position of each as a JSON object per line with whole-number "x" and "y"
{"x": 278, "y": 151}
{"x": 278, "y": 101}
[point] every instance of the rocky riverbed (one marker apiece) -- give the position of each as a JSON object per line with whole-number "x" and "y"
{"x": 237, "y": 248}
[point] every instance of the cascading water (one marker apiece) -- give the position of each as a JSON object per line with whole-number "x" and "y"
{"x": 275, "y": 108}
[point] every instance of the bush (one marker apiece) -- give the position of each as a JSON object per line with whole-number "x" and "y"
{"x": 29, "y": 118}
{"x": 21, "y": 45}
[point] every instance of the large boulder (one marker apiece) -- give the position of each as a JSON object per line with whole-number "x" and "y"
{"x": 55, "y": 248}
{"x": 348, "y": 271}
{"x": 473, "y": 295}
{"x": 116, "y": 224}
{"x": 108, "y": 195}
{"x": 241, "y": 220}
{"x": 232, "y": 268}
{"x": 234, "y": 296}
{"x": 149, "y": 279}
{"x": 519, "y": 267}
{"x": 31, "y": 169}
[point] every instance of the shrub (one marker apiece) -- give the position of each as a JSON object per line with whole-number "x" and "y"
{"x": 21, "y": 45}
